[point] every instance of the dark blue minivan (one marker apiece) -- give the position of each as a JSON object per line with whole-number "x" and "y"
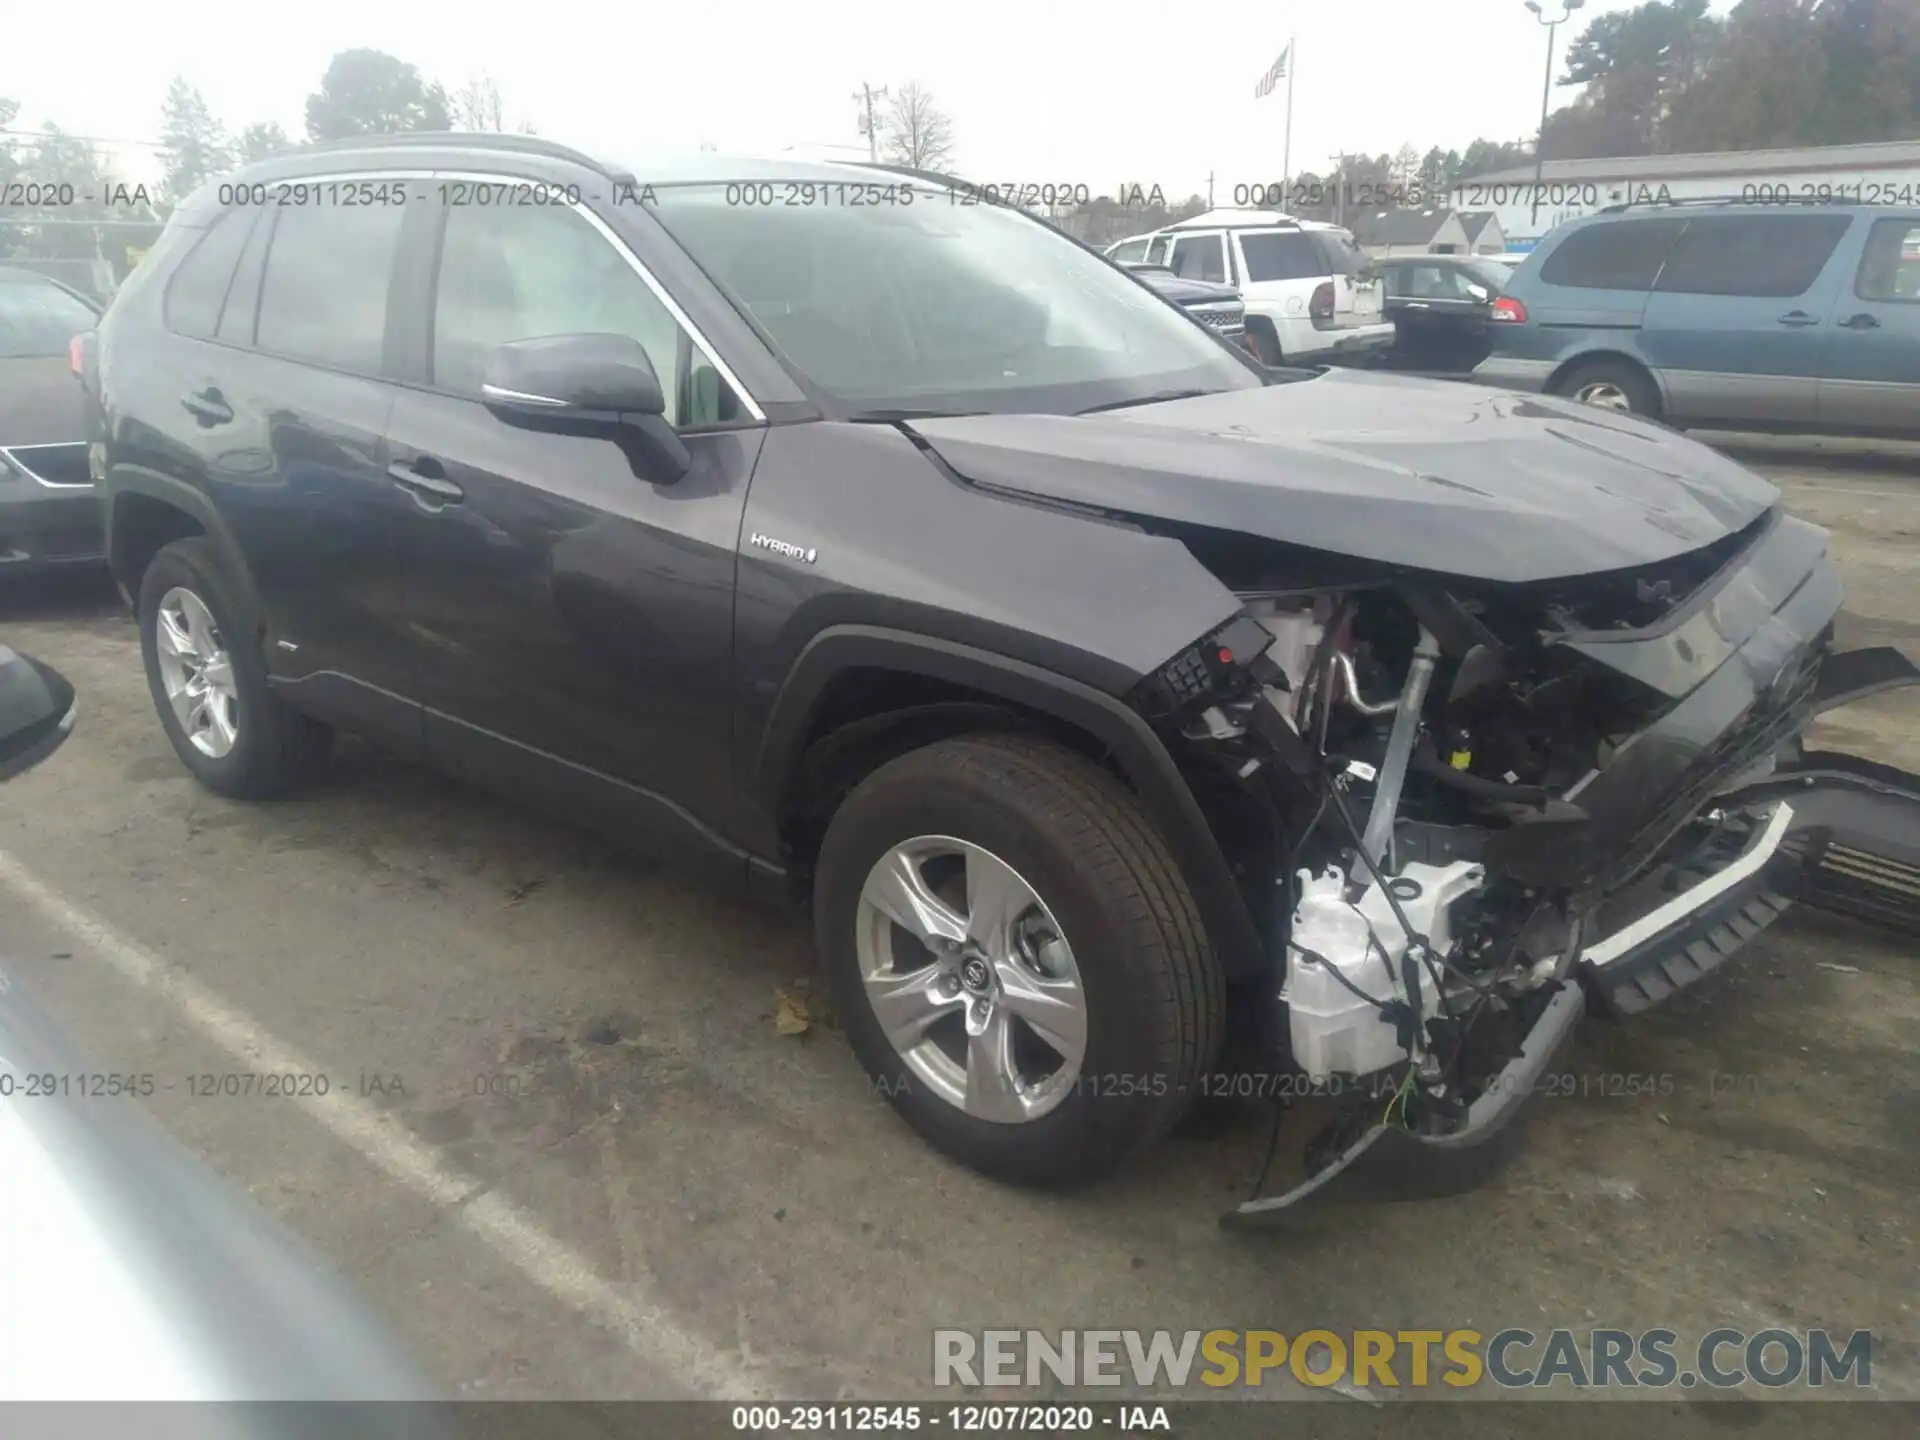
{"x": 1755, "y": 317}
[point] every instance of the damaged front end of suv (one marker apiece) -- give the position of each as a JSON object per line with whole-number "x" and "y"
{"x": 1507, "y": 728}
{"x": 1497, "y": 805}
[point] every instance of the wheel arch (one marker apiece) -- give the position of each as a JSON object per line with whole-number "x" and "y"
{"x": 1611, "y": 355}
{"x": 1259, "y": 324}
{"x": 145, "y": 511}
{"x": 948, "y": 689}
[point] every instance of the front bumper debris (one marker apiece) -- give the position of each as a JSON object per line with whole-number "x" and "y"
{"x": 1387, "y": 1162}
{"x": 1832, "y": 831}
{"x": 1684, "y": 939}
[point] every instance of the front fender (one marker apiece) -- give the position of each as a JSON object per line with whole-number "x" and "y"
{"x": 1136, "y": 750}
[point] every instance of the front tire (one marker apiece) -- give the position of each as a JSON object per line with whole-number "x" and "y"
{"x": 1015, "y": 957}
{"x": 209, "y": 681}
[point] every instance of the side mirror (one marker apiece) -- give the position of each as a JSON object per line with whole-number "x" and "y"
{"x": 36, "y": 712}
{"x": 598, "y": 385}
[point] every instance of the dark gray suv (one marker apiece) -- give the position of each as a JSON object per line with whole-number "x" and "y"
{"x": 1134, "y": 718}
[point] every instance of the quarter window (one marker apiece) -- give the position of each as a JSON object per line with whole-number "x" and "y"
{"x": 520, "y": 273}
{"x": 324, "y": 299}
{"x": 1760, "y": 255}
{"x": 199, "y": 286}
{"x": 1613, "y": 255}
{"x": 1890, "y": 268}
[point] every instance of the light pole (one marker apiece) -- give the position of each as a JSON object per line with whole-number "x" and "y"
{"x": 1567, "y": 7}
{"x": 866, "y": 97}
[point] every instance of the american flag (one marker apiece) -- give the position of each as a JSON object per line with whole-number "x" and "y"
{"x": 1275, "y": 74}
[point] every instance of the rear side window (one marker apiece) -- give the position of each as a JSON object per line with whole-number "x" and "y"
{"x": 38, "y": 318}
{"x": 1199, "y": 257}
{"x": 1613, "y": 255}
{"x": 1283, "y": 255}
{"x": 1773, "y": 255}
{"x": 1890, "y": 267}
{"x": 199, "y": 285}
{"x": 324, "y": 299}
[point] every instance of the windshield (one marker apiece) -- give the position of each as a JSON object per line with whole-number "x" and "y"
{"x": 934, "y": 304}
{"x": 38, "y": 318}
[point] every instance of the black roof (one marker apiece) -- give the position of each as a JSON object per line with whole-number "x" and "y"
{"x": 1399, "y": 227}
{"x": 1475, "y": 221}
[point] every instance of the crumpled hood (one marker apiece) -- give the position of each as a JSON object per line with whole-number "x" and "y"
{"x": 1439, "y": 475}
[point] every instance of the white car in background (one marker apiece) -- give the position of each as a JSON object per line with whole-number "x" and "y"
{"x": 1310, "y": 291}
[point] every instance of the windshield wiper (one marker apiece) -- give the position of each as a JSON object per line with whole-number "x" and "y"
{"x": 1159, "y": 397}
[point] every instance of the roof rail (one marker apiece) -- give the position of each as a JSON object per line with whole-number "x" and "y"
{"x": 471, "y": 140}
{"x": 1673, "y": 202}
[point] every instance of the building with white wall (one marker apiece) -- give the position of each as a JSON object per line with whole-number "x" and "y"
{"x": 1885, "y": 172}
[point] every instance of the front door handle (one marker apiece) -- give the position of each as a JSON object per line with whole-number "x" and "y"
{"x": 1798, "y": 318}
{"x": 427, "y": 480}
{"x": 1861, "y": 321}
{"x": 209, "y": 406}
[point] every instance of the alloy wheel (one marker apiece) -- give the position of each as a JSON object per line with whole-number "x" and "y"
{"x": 197, "y": 672}
{"x": 1605, "y": 394}
{"x": 971, "y": 979}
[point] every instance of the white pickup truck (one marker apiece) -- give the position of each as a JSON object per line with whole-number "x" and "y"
{"x": 1310, "y": 293}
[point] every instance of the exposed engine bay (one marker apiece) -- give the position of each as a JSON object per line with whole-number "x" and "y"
{"x": 1465, "y": 813}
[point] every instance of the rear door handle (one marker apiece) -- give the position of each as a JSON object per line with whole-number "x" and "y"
{"x": 1861, "y": 321}
{"x": 209, "y": 405}
{"x": 1798, "y": 318}
{"x": 427, "y": 480}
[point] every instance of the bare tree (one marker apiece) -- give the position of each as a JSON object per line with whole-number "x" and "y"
{"x": 476, "y": 105}
{"x": 916, "y": 131}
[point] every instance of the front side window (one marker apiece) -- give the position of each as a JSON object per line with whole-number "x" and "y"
{"x": 1760, "y": 255}
{"x": 941, "y": 305}
{"x": 324, "y": 298}
{"x": 1130, "y": 253}
{"x": 38, "y": 318}
{"x": 521, "y": 273}
{"x": 1890, "y": 267}
{"x": 1199, "y": 257}
{"x": 1613, "y": 255}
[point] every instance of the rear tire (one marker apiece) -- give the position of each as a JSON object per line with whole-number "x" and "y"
{"x": 1097, "y": 880}
{"x": 1612, "y": 385}
{"x": 1266, "y": 344}
{"x": 235, "y": 735}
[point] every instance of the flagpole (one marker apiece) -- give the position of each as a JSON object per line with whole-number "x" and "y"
{"x": 1286, "y": 145}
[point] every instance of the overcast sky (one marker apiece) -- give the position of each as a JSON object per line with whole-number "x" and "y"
{"x": 1077, "y": 91}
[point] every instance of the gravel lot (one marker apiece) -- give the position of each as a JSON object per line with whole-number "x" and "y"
{"x": 567, "y": 1154}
